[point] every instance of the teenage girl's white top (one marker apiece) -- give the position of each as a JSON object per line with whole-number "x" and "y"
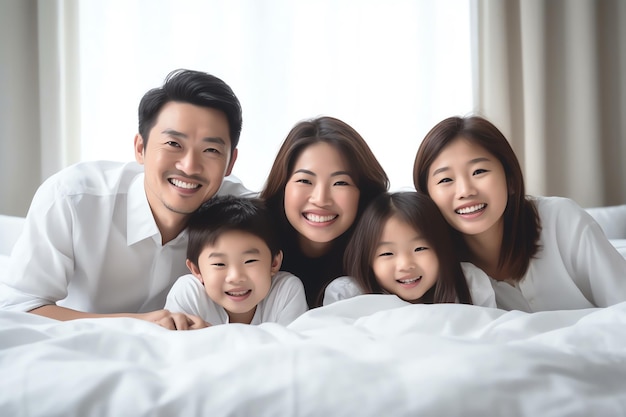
{"x": 477, "y": 281}
{"x": 284, "y": 302}
{"x": 576, "y": 266}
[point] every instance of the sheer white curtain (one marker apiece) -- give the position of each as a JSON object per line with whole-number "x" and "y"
{"x": 391, "y": 69}
{"x": 73, "y": 71}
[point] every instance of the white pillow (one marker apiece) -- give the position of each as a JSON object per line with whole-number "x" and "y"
{"x": 4, "y": 265}
{"x": 620, "y": 244}
{"x": 612, "y": 219}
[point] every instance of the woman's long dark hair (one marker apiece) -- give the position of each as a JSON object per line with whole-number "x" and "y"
{"x": 367, "y": 173}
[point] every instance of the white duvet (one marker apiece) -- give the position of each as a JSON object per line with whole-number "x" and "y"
{"x": 373, "y": 355}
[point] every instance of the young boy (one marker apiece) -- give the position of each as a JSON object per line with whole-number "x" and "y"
{"x": 234, "y": 261}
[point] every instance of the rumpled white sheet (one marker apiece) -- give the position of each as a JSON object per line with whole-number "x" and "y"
{"x": 372, "y": 355}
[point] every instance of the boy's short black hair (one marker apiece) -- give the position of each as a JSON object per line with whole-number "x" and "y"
{"x": 222, "y": 214}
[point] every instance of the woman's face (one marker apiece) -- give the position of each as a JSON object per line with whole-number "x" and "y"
{"x": 469, "y": 186}
{"x": 321, "y": 197}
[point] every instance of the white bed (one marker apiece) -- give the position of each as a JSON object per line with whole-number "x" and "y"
{"x": 373, "y": 355}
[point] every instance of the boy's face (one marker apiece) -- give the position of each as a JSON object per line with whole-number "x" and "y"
{"x": 237, "y": 273}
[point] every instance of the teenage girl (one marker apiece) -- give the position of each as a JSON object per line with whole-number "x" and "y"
{"x": 323, "y": 177}
{"x": 541, "y": 253}
{"x": 402, "y": 245}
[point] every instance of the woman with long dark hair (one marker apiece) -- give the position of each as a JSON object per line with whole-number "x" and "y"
{"x": 323, "y": 177}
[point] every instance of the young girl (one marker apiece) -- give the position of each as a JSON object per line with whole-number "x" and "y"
{"x": 541, "y": 253}
{"x": 402, "y": 245}
{"x": 322, "y": 178}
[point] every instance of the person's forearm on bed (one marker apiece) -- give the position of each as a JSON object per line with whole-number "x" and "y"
{"x": 164, "y": 318}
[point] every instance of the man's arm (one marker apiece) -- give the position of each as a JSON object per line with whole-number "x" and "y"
{"x": 164, "y": 318}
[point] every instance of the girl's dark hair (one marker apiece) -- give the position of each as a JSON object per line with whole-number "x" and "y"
{"x": 193, "y": 87}
{"x": 222, "y": 214}
{"x": 368, "y": 174}
{"x": 418, "y": 211}
{"x": 522, "y": 225}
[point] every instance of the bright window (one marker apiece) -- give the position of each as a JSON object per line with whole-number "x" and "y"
{"x": 391, "y": 69}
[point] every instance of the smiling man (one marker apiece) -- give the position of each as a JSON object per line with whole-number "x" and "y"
{"x": 108, "y": 239}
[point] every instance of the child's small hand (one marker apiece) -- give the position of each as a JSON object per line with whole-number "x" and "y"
{"x": 175, "y": 321}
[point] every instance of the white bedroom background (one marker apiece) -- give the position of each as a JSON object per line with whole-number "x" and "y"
{"x": 391, "y": 69}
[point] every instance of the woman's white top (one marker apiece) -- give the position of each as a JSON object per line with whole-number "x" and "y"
{"x": 576, "y": 267}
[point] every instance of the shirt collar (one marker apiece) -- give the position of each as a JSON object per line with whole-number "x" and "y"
{"x": 140, "y": 222}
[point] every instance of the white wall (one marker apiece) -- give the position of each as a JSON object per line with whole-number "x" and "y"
{"x": 19, "y": 106}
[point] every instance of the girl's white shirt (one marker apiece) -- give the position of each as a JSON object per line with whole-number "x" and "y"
{"x": 478, "y": 282}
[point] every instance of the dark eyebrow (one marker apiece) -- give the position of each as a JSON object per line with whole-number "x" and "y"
{"x": 304, "y": 171}
{"x": 177, "y": 134}
{"x": 251, "y": 251}
{"x": 334, "y": 174}
{"x": 470, "y": 162}
{"x": 414, "y": 239}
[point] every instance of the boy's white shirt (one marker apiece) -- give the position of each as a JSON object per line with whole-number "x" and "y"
{"x": 284, "y": 302}
{"x": 478, "y": 282}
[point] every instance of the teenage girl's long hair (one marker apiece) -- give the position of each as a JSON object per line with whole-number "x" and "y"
{"x": 522, "y": 226}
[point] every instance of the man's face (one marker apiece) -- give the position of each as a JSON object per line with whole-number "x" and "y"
{"x": 185, "y": 160}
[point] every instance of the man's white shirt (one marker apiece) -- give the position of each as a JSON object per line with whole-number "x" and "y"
{"x": 90, "y": 243}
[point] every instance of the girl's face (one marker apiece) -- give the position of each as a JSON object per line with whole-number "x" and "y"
{"x": 321, "y": 198}
{"x": 469, "y": 186}
{"x": 404, "y": 263}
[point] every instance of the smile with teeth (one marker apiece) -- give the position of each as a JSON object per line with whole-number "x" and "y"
{"x": 471, "y": 209}
{"x": 182, "y": 184}
{"x": 238, "y": 293}
{"x": 409, "y": 280}
{"x": 319, "y": 219}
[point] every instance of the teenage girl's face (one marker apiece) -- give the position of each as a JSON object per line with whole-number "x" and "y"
{"x": 469, "y": 186}
{"x": 321, "y": 198}
{"x": 404, "y": 263}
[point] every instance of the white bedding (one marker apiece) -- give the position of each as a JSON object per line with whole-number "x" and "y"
{"x": 373, "y": 355}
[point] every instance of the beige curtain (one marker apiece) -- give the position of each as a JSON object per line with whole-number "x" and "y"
{"x": 39, "y": 86}
{"x": 551, "y": 74}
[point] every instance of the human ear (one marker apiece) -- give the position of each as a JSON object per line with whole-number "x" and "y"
{"x": 139, "y": 148}
{"x": 277, "y": 261}
{"x": 231, "y": 163}
{"x": 193, "y": 268}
